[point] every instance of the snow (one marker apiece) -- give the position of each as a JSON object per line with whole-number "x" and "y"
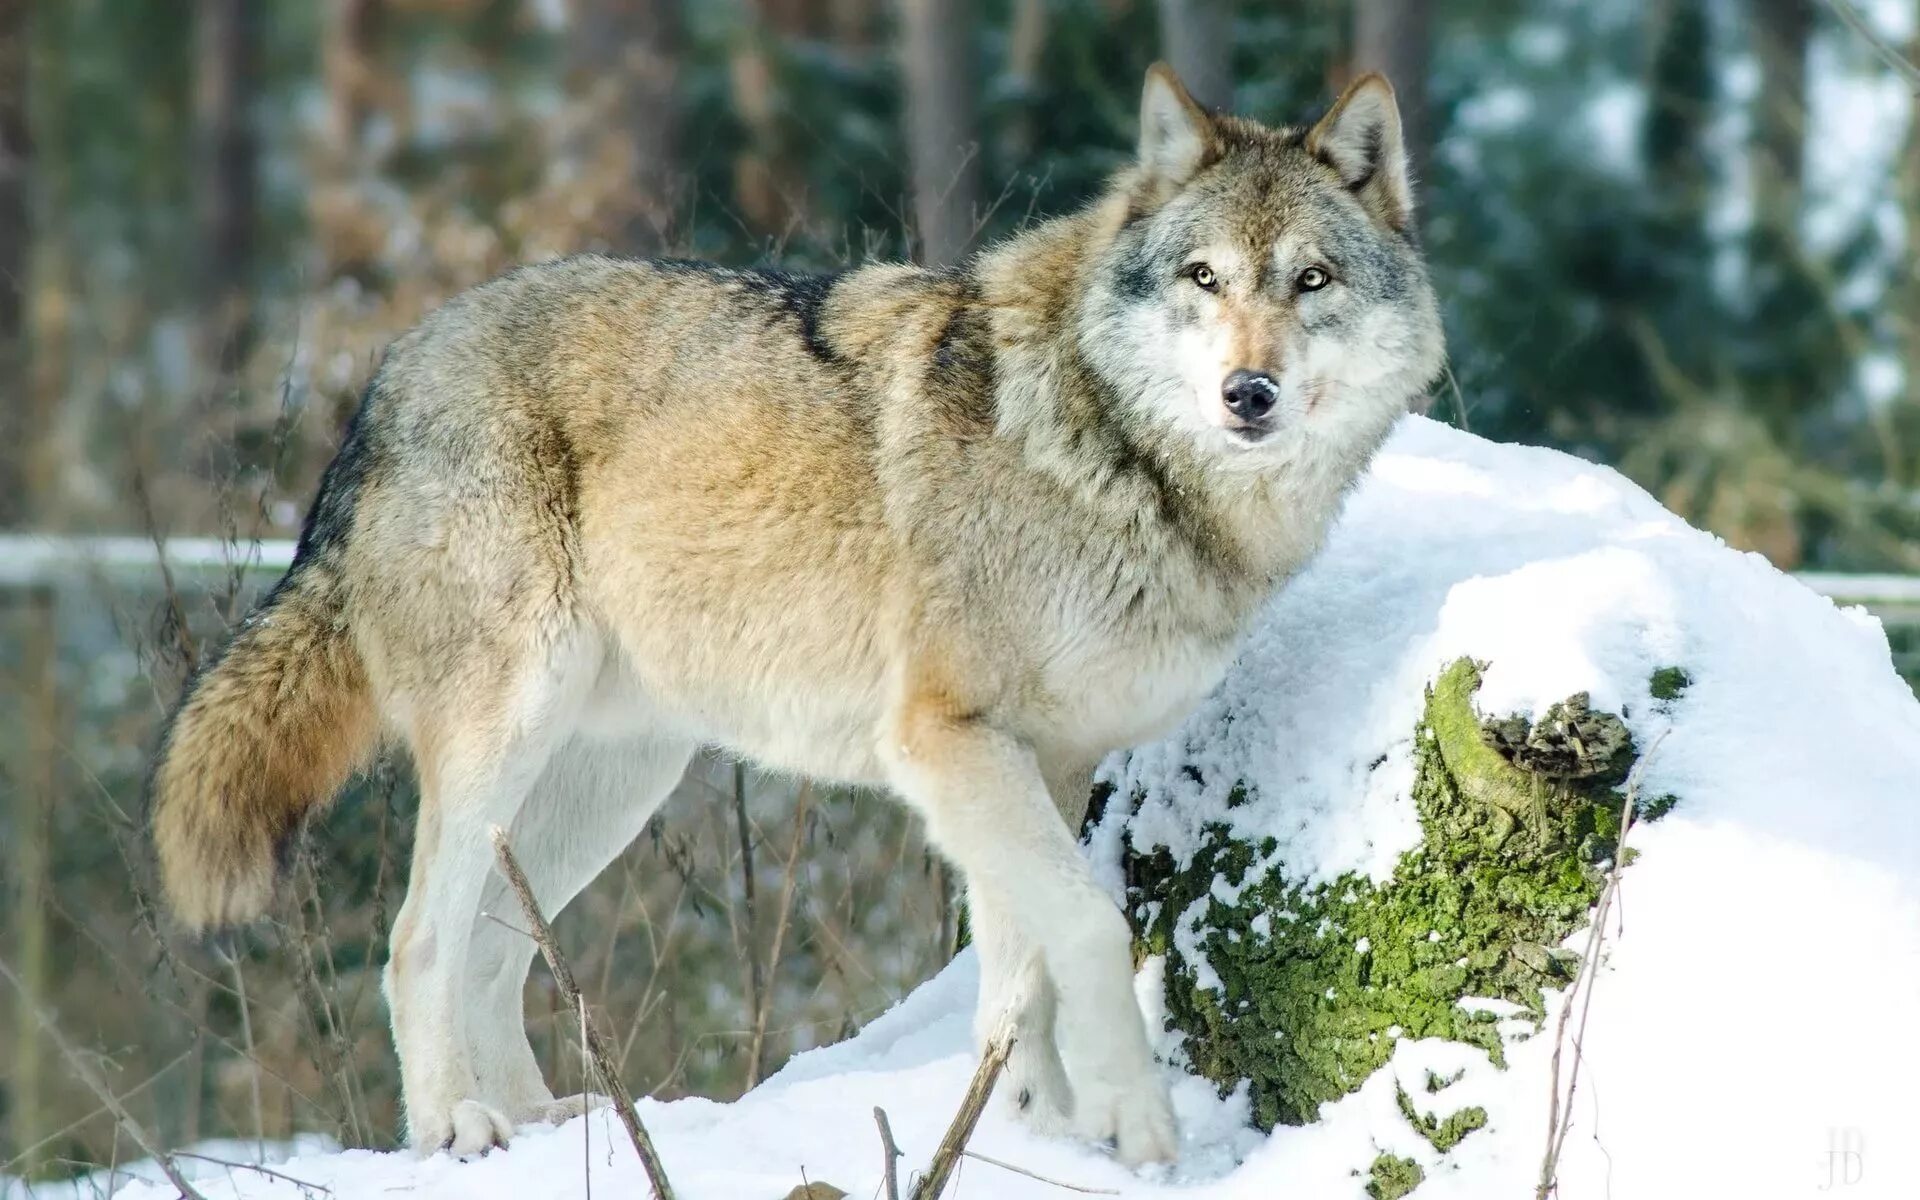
{"x": 1752, "y": 1033}
{"x": 200, "y": 1162}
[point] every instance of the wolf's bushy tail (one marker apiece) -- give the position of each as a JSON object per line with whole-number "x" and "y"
{"x": 263, "y": 735}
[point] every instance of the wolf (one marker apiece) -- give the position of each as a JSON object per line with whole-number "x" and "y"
{"x": 959, "y": 533}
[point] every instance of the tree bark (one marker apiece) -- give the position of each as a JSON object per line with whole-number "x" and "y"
{"x": 942, "y": 125}
{"x": 1196, "y": 36}
{"x": 1395, "y": 38}
{"x": 227, "y": 45}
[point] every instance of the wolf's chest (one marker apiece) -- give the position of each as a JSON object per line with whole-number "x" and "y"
{"x": 1127, "y": 691}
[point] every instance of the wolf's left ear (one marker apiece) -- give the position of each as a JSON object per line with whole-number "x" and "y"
{"x": 1176, "y": 134}
{"x": 1360, "y": 138}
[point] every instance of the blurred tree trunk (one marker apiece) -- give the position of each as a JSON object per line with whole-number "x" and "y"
{"x": 1781, "y": 31}
{"x": 24, "y": 487}
{"x": 1196, "y": 37}
{"x": 1680, "y": 97}
{"x": 1026, "y": 46}
{"x": 349, "y": 76}
{"x": 1395, "y": 38}
{"x": 30, "y": 868}
{"x": 347, "y": 234}
{"x": 227, "y": 151}
{"x": 22, "y": 427}
{"x": 766, "y": 182}
{"x": 624, "y": 55}
{"x": 850, "y": 24}
{"x": 942, "y": 125}
{"x": 1903, "y": 463}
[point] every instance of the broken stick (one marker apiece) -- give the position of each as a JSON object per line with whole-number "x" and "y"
{"x": 570, "y": 991}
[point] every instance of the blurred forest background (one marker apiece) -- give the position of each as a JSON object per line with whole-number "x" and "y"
{"x": 1671, "y": 235}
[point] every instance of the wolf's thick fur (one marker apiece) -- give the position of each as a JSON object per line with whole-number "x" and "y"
{"x": 961, "y": 533}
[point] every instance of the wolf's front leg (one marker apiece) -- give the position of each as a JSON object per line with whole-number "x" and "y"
{"x": 1014, "y": 985}
{"x": 987, "y": 807}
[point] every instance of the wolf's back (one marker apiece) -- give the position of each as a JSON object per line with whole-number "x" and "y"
{"x": 266, "y": 733}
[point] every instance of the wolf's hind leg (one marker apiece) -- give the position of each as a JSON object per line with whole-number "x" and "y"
{"x": 591, "y": 802}
{"x": 480, "y": 744}
{"x": 988, "y": 808}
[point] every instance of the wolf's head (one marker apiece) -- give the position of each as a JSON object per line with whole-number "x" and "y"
{"x": 1263, "y": 294}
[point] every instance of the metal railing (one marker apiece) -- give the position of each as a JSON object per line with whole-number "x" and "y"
{"x": 42, "y": 560}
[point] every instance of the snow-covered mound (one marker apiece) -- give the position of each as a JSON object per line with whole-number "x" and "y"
{"x": 1753, "y": 1030}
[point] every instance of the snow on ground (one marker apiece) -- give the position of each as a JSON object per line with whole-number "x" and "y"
{"x": 205, "y": 1160}
{"x": 1754, "y": 1033}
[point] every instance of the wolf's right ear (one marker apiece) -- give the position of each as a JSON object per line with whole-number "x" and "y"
{"x": 1360, "y": 139}
{"x": 1176, "y": 134}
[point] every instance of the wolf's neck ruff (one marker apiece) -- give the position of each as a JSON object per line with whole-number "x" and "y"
{"x": 961, "y": 533}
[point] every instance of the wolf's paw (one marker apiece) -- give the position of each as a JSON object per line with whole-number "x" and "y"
{"x": 1035, "y": 1088}
{"x": 558, "y": 1112}
{"x": 1137, "y": 1119}
{"x": 467, "y": 1129}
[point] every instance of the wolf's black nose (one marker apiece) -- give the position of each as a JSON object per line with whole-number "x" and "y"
{"x": 1250, "y": 394}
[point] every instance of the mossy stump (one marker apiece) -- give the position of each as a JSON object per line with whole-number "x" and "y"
{"x": 1317, "y": 981}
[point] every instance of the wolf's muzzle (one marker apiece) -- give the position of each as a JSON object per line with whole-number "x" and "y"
{"x": 1250, "y": 396}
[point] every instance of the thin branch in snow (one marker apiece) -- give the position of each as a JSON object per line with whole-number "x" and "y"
{"x": 1559, "y": 1112}
{"x": 1059, "y": 1183}
{"x": 954, "y": 1143}
{"x": 256, "y": 1168}
{"x": 563, "y": 976}
{"x": 586, "y": 1086}
{"x": 891, "y": 1173}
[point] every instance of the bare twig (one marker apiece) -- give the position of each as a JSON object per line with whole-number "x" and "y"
{"x": 98, "y": 1086}
{"x": 27, "y": 1152}
{"x": 1893, "y": 58}
{"x": 586, "y": 1088}
{"x": 508, "y": 925}
{"x": 954, "y": 1143}
{"x": 890, "y": 1174}
{"x": 1559, "y": 1114}
{"x": 246, "y": 1039}
{"x": 596, "y": 1046}
{"x": 1059, "y": 1183}
{"x": 763, "y": 1005}
{"x": 756, "y": 974}
{"x": 257, "y": 1169}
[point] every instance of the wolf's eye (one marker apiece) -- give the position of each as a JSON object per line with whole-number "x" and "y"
{"x": 1314, "y": 278}
{"x": 1203, "y": 277}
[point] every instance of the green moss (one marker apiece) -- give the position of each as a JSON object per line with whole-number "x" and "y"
{"x": 1653, "y": 808}
{"x": 1318, "y": 981}
{"x": 1436, "y": 1082}
{"x": 1442, "y": 1135}
{"x": 1392, "y": 1177}
{"x": 1668, "y": 682}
